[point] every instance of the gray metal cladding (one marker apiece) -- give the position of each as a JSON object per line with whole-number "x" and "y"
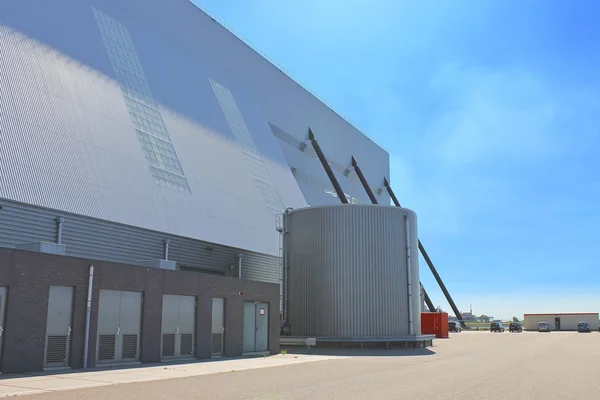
{"x": 104, "y": 240}
{"x": 113, "y": 116}
{"x": 348, "y": 271}
{"x": 81, "y": 131}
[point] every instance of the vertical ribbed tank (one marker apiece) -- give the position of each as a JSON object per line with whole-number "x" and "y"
{"x": 347, "y": 271}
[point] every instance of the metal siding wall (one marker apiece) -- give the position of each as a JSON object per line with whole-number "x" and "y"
{"x": 67, "y": 141}
{"x": 20, "y": 223}
{"x": 347, "y": 268}
{"x": 93, "y": 238}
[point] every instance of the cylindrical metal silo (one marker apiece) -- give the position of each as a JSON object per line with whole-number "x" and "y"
{"x": 352, "y": 272}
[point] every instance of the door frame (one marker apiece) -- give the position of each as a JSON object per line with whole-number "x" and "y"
{"x": 3, "y": 319}
{"x": 177, "y": 339}
{"x": 67, "y": 362}
{"x": 223, "y": 327}
{"x": 118, "y": 359}
{"x": 256, "y": 319}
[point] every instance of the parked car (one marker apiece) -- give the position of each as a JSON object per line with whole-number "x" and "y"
{"x": 543, "y": 327}
{"x": 454, "y": 326}
{"x": 496, "y": 327}
{"x": 583, "y": 326}
{"x": 515, "y": 327}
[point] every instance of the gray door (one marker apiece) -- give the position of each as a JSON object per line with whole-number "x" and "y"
{"x": 170, "y": 315}
{"x": 262, "y": 327}
{"x": 108, "y": 325}
{"x": 187, "y": 324}
{"x": 130, "y": 319}
{"x": 178, "y": 323}
{"x": 2, "y": 315}
{"x": 58, "y": 327}
{"x": 218, "y": 327}
{"x": 249, "y": 326}
{"x": 256, "y": 327}
{"x": 119, "y": 321}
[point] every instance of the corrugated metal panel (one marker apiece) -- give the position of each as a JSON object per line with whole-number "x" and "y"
{"x": 69, "y": 138}
{"x": 67, "y": 141}
{"x": 347, "y": 271}
{"x": 93, "y": 238}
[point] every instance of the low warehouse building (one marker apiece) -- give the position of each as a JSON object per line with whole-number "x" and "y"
{"x": 560, "y": 321}
{"x": 135, "y": 315}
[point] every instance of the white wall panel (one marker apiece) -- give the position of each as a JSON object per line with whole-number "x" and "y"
{"x": 68, "y": 137}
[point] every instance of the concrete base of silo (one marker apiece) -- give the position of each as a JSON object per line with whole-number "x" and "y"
{"x": 392, "y": 342}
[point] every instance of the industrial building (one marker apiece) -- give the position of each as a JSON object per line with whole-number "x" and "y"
{"x": 560, "y": 321}
{"x": 146, "y": 155}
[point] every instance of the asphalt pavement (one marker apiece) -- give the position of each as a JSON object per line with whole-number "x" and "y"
{"x": 469, "y": 365}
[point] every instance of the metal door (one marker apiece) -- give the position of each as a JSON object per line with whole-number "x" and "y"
{"x": 119, "y": 322}
{"x": 2, "y": 314}
{"x": 187, "y": 322}
{"x": 262, "y": 327}
{"x": 58, "y": 327}
{"x": 130, "y": 319}
{"x": 557, "y": 323}
{"x": 249, "y": 326}
{"x": 178, "y": 322}
{"x": 170, "y": 315}
{"x": 108, "y": 325}
{"x": 218, "y": 327}
{"x": 256, "y": 327}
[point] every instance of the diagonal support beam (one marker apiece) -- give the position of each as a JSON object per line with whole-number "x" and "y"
{"x": 429, "y": 262}
{"x": 362, "y": 179}
{"x": 428, "y": 301}
{"x": 327, "y": 167}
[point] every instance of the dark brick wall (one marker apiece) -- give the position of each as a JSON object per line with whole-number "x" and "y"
{"x": 29, "y": 275}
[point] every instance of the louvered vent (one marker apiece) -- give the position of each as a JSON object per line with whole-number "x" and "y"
{"x": 168, "y": 348}
{"x": 216, "y": 343}
{"x": 187, "y": 344}
{"x": 106, "y": 347}
{"x": 56, "y": 349}
{"x": 130, "y": 346}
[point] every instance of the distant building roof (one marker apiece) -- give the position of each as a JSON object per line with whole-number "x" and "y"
{"x": 577, "y": 313}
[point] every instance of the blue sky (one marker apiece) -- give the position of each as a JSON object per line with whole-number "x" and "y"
{"x": 491, "y": 114}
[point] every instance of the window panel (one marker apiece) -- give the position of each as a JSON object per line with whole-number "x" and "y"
{"x": 256, "y": 164}
{"x": 143, "y": 111}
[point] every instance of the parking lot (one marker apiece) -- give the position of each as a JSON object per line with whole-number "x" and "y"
{"x": 469, "y": 365}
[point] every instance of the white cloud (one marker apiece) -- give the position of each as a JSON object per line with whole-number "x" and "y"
{"x": 501, "y": 114}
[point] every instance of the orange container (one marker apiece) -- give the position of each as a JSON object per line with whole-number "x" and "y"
{"x": 435, "y": 323}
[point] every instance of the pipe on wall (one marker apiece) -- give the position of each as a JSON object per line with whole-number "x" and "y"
{"x": 285, "y": 263}
{"x": 59, "y": 229}
{"x": 240, "y": 266}
{"x": 88, "y": 312}
{"x": 167, "y": 241}
{"x": 409, "y": 275}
